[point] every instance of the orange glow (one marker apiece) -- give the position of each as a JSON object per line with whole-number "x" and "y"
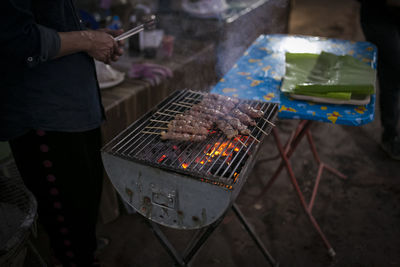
{"x": 224, "y": 149}
{"x": 211, "y": 152}
{"x": 235, "y": 176}
{"x": 162, "y": 158}
{"x": 185, "y": 165}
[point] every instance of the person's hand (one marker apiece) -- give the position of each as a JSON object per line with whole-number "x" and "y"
{"x": 119, "y": 50}
{"x": 102, "y": 46}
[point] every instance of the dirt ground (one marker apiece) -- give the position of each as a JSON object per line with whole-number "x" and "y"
{"x": 360, "y": 215}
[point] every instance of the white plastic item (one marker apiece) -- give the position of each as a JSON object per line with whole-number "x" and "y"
{"x": 204, "y": 8}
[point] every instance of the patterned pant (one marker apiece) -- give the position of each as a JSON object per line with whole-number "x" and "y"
{"x": 64, "y": 171}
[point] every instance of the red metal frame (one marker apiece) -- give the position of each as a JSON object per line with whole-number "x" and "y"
{"x": 302, "y": 129}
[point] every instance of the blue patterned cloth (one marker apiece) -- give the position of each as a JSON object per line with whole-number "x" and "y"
{"x": 257, "y": 75}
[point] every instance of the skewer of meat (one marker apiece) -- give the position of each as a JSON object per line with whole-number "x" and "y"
{"x": 253, "y": 112}
{"x": 191, "y": 120}
{"x": 200, "y": 115}
{"x": 179, "y": 136}
{"x": 243, "y": 130}
{"x": 235, "y": 122}
{"x": 244, "y": 118}
{"x": 227, "y": 129}
{"x": 182, "y": 121}
{"x": 249, "y": 110}
{"x": 181, "y": 129}
{"x": 182, "y": 136}
{"x": 199, "y": 123}
{"x": 220, "y": 105}
{"x": 207, "y": 110}
{"x": 187, "y": 129}
{"x": 222, "y": 98}
{"x": 214, "y": 105}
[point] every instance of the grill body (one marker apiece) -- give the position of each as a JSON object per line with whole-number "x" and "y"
{"x": 164, "y": 191}
{"x": 168, "y": 198}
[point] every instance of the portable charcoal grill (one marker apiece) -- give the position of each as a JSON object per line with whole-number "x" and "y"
{"x": 183, "y": 184}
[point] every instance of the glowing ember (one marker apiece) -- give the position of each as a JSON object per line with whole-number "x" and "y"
{"x": 185, "y": 165}
{"x": 162, "y": 158}
{"x": 235, "y": 176}
{"x": 224, "y": 149}
{"x": 211, "y": 152}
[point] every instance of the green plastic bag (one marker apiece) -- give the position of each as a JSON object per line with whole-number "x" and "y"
{"x": 327, "y": 75}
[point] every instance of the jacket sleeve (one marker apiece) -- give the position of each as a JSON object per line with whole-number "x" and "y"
{"x": 23, "y": 42}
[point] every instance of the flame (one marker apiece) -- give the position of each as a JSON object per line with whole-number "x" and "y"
{"x": 185, "y": 165}
{"x": 235, "y": 176}
{"x": 224, "y": 149}
{"x": 219, "y": 149}
{"x": 162, "y": 158}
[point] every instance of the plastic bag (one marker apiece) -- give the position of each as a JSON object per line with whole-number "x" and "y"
{"x": 328, "y": 75}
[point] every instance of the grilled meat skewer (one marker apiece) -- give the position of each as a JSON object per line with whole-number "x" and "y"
{"x": 182, "y": 136}
{"x": 222, "y": 98}
{"x": 203, "y": 116}
{"x": 224, "y": 107}
{"x": 244, "y": 118}
{"x": 187, "y": 129}
{"x": 182, "y": 119}
{"x": 238, "y": 125}
{"x": 249, "y": 110}
{"x": 227, "y": 129}
{"x": 207, "y": 110}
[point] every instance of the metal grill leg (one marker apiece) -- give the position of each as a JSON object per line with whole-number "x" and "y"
{"x": 194, "y": 246}
{"x": 166, "y": 244}
{"x": 254, "y": 236}
{"x": 201, "y": 237}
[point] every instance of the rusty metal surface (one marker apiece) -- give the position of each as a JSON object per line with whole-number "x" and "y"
{"x": 165, "y": 197}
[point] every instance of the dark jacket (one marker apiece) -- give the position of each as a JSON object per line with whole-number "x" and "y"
{"x": 36, "y": 91}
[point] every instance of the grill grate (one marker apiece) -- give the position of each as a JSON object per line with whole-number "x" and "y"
{"x": 216, "y": 159}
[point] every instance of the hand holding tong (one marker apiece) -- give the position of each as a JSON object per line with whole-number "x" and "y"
{"x": 147, "y": 25}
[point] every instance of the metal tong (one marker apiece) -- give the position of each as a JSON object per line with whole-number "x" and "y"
{"x": 147, "y": 25}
